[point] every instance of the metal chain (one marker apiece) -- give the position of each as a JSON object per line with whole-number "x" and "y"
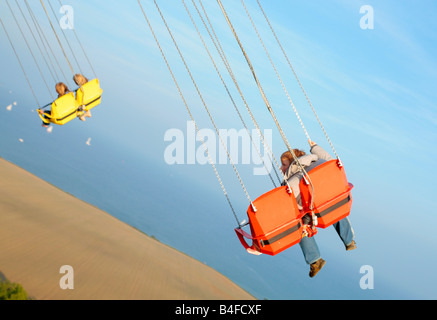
{"x": 83, "y": 50}
{"x": 46, "y": 43}
{"x": 34, "y": 39}
{"x": 298, "y": 81}
{"x": 222, "y": 54}
{"x": 284, "y": 138}
{"x": 21, "y": 65}
{"x": 56, "y": 35}
{"x": 227, "y": 90}
{"x": 190, "y": 114}
{"x": 276, "y": 71}
{"x": 205, "y": 106}
{"x": 66, "y": 40}
{"x": 41, "y": 40}
{"x": 30, "y": 50}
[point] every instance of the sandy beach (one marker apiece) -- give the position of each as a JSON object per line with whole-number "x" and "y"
{"x": 43, "y": 228}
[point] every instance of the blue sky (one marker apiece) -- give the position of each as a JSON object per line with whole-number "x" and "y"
{"x": 374, "y": 91}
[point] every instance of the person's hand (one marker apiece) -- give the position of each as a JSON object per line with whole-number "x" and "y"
{"x": 312, "y": 143}
{"x": 40, "y": 111}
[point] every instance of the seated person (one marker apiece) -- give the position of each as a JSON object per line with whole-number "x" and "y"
{"x": 80, "y": 80}
{"x": 292, "y": 176}
{"x": 61, "y": 89}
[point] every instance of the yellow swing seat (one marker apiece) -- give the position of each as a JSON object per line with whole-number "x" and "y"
{"x": 63, "y": 110}
{"x": 89, "y": 95}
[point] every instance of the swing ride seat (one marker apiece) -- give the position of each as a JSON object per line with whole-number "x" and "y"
{"x": 89, "y": 95}
{"x": 63, "y": 109}
{"x": 332, "y": 193}
{"x": 276, "y": 225}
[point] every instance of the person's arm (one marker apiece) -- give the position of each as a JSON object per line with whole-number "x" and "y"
{"x": 319, "y": 151}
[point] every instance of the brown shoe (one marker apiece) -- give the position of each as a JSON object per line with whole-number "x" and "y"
{"x": 351, "y": 246}
{"x": 316, "y": 267}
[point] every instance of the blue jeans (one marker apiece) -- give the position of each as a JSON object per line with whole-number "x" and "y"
{"x": 309, "y": 246}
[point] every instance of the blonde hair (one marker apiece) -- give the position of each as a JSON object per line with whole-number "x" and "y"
{"x": 79, "y": 79}
{"x": 61, "y": 89}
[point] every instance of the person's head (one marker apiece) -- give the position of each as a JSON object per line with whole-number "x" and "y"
{"x": 287, "y": 158}
{"x": 79, "y": 79}
{"x": 61, "y": 88}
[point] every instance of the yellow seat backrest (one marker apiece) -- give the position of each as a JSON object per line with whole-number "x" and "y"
{"x": 90, "y": 94}
{"x": 64, "y": 109}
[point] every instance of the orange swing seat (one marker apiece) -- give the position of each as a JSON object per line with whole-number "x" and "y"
{"x": 275, "y": 225}
{"x": 332, "y": 199}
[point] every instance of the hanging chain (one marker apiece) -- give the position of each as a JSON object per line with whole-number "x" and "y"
{"x": 34, "y": 39}
{"x": 56, "y": 35}
{"x": 66, "y": 40}
{"x": 21, "y": 65}
{"x": 298, "y": 81}
{"x": 30, "y": 50}
{"x": 190, "y": 114}
{"x": 284, "y": 138}
{"x": 227, "y": 90}
{"x": 205, "y": 106}
{"x": 83, "y": 50}
{"x": 276, "y": 71}
{"x": 222, "y": 54}
{"x": 46, "y": 42}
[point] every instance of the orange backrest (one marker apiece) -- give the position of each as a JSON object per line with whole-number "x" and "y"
{"x": 332, "y": 198}
{"x": 276, "y": 225}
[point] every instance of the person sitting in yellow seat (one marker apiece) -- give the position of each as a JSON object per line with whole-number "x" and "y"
{"x": 61, "y": 89}
{"x": 80, "y": 80}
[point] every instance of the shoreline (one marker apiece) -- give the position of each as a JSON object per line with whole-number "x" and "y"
{"x": 43, "y": 228}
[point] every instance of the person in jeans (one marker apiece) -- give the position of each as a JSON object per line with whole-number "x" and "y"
{"x": 292, "y": 175}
